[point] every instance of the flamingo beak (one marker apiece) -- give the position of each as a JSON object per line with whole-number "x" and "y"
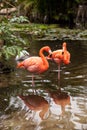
{"x": 50, "y": 53}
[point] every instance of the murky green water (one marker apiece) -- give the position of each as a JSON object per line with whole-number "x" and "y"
{"x": 64, "y": 107}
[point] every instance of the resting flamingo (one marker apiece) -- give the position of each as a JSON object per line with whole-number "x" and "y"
{"x": 36, "y": 64}
{"x": 60, "y": 56}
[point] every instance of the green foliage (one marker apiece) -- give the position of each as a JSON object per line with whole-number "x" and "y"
{"x": 12, "y": 43}
{"x": 9, "y": 37}
{"x": 9, "y": 51}
{"x": 20, "y": 19}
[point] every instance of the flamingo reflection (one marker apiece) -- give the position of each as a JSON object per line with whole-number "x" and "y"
{"x": 37, "y": 104}
{"x": 60, "y": 98}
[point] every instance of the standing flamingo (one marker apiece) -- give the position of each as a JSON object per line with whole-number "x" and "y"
{"x": 60, "y": 56}
{"x": 36, "y": 64}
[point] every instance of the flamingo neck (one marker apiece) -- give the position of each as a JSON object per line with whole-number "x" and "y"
{"x": 45, "y": 62}
{"x": 64, "y": 46}
{"x": 44, "y": 112}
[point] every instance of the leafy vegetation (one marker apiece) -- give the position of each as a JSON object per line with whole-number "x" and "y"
{"x": 20, "y": 19}
{"x": 51, "y": 32}
{"x": 11, "y": 43}
{"x": 10, "y": 40}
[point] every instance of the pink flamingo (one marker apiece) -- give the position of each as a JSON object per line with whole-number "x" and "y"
{"x": 60, "y": 56}
{"x": 36, "y": 64}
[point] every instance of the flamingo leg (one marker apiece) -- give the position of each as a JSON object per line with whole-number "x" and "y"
{"x": 33, "y": 84}
{"x": 59, "y": 75}
{"x": 59, "y": 72}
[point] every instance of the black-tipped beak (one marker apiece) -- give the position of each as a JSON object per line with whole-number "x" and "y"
{"x": 50, "y": 55}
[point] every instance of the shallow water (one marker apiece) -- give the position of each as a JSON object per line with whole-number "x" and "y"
{"x": 64, "y": 104}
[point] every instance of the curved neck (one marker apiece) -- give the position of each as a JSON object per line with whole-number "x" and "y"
{"x": 45, "y": 62}
{"x": 64, "y": 46}
{"x": 44, "y": 112}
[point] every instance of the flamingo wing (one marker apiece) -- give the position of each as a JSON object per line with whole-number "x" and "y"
{"x": 66, "y": 59}
{"x": 33, "y": 64}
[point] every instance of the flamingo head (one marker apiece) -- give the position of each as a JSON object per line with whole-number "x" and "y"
{"x": 46, "y": 48}
{"x": 57, "y": 56}
{"x": 61, "y": 55}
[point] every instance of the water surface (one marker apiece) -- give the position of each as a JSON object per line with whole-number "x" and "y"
{"x": 64, "y": 104}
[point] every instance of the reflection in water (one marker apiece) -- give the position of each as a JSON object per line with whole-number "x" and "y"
{"x": 60, "y": 98}
{"x": 37, "y": 104}
{"x": 68, "y": 106}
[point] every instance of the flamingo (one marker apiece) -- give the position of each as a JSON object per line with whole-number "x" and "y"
{"x": 37, "y": 104}
{"x": 36, "y": 64}
{"x": 60, "y": 56}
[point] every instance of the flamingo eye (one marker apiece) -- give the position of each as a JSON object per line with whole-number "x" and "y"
{"x": 62, "y": 52}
